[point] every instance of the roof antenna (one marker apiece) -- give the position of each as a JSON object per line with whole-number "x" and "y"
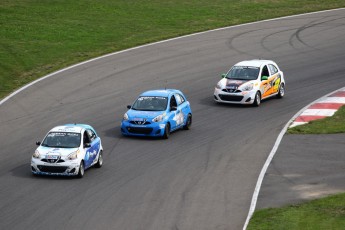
{"x": 166, "y": 82}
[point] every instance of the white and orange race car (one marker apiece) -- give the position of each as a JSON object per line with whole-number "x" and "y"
{"x": 249, "y": 82}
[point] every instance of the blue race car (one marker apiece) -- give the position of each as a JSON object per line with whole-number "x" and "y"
{"x": 157, "y": 113}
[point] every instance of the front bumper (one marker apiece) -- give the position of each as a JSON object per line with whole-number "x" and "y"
{"x": 245, "y": 97}
{"x": 70, "y": 168}
{"x": 154, "y": 129}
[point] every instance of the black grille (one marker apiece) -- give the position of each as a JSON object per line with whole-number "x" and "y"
{"x": 230, "y": 97}
{"x": 140, "y": 122}
{"x": 231, "y": 90}
{"x": 139, "y": 130}
{"x": 52, "y": 160}
{"x": 52, "y": 169}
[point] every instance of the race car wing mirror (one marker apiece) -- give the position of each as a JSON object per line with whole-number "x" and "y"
{"x": 129, "y": 106}
{"x": 263, "y": 78}
{"x": 38, "y": 143}
{"x": 87, "y": 145}
{"x": 173, "y": 108}
{"x": 223, "y": 75}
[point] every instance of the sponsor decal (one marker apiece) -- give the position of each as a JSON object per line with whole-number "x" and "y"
{"x": 178, "y": 118}
{"x": 90, "y": 154}
{"x": 232, "y": 85}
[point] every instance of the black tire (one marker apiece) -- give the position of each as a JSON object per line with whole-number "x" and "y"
{"x": 100, "y": 160}
{"x": 257, "y": 99}
{"x": 166, "y": 131}
{"x": 81, "y": 171}
{"x": 188, "y": 122}
{"x": 281, "y": 92}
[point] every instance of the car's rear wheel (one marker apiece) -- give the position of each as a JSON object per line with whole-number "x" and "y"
{"x": 188, "y": 122}
{"x": 166, "y": 131}
{"x": 100, "y": 160}
{"x": 257, "y": 99}
{"x": 281, "y": 92}
{"x": 81, "y": 170}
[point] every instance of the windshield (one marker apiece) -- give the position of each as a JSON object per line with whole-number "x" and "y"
{"x": 243, "y": 73}
{"x": 62, "y": 140}
{"x": 150, "y": 104}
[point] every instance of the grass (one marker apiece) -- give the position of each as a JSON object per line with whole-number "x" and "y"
{"x": 38, "y": 37}
{"x": 333, "y": 124}
{"x": 326, "y": 213}
{"x": 321, "y": 214}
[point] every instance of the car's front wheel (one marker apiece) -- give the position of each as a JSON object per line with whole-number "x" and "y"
{"x": 166, "y": 131}
{"x": 257, "y": 99}
{"x": 81, "y": 170}
{"x": 281, "y": 92}
{"x": 100, "y": 160}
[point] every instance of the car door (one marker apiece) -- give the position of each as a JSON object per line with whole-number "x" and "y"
{"x": 173, "y": 113}
{"x": 276, "y": 78}
{"x": 183, "y": 106}
{"x": 266, "y": 82}
{"x": 179, "y": 115}
{"x": 92, "y": 145}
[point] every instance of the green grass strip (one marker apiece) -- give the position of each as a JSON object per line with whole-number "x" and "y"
{"x": 38, "y": 37}
{"x": 326, "y": 213}
{"x": 333, "y": 124}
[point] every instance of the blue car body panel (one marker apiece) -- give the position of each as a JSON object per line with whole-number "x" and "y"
{"x": 140, "y": 123}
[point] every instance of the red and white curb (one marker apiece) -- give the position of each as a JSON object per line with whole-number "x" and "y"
{"x": 321, "y": 108}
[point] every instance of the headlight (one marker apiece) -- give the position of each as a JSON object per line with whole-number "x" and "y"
{"x": 219, "y": 85}
{"x": 125, "y": 117}
{"x": 73, "y": 155}
{"x": 36, "y": 154}
{"x": 159, "y": 118}
{"x": 248, "y": 87}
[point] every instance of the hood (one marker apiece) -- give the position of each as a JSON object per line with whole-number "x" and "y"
{"x": 234, "y": 84}
{"x": 138, "y": 115}
{"x": 55, "y": 151}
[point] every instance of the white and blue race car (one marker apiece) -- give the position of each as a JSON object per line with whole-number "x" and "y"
{"x": 68, "y": 150}
{"x": 157, "y": 113}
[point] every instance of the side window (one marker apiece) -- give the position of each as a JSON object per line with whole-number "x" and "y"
{"x": 173, "y": 101}
{"x": 181, "y": 98}
{"x": 178, "y": 99}
{"x": 273, "y": 69}
{"x": 86, "y": 138}
{"x": 91, "y": 134}
{"x": 265, "y": 71}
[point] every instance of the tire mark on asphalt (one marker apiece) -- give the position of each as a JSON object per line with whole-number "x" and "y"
{"x": 309, "y": 25}
{"x": 231, "y": 42}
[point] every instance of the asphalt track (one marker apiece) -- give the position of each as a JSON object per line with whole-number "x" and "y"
{"x": 198, "y": 179}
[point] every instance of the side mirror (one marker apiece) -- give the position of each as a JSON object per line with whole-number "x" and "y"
{"x": 264, "y": 78}
{"x": 87, "y": 145}
{"x": 129, "y": 106}
{"x": 38, "y": 143}
{"x": 173, "y": 108}
{"x": 223, "y": 75}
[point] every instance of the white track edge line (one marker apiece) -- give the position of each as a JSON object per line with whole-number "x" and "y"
{"x": 271, "y": 155}
{"x": 155, "y": 43}
{"x": 275, "y": 147}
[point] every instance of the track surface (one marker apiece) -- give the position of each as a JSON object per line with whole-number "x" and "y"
{"x": 315, "y": 170}
{"x": 198, "y": 179}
